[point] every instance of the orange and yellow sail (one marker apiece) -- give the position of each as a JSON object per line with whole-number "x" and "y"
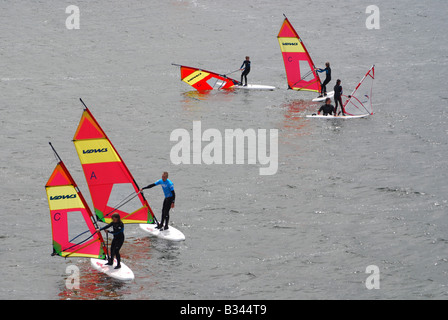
{"x": 111, "y": 185}
{"x": 300, "y": 68}
{"x": 203, "y": 80}
{"x": 73, "y": 229}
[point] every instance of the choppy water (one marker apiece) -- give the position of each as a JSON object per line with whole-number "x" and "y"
{"x": 346, "y": 195}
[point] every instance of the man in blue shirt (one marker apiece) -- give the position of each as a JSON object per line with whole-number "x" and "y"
{"x": 168, "y": 203}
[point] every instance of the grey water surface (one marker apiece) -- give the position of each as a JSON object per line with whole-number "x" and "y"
{"x": 347, "y": 194}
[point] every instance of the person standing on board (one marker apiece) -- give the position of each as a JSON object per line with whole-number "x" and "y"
{"x": 338, "y": 98}
{"x": 327, "y": 108}
{"x": 118, "y": 233}
{"x": 246, "y": 69}
{"x": 168, "y": 203}
{"x": 327, "y": 71}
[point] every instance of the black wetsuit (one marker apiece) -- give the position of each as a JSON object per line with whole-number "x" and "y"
{"x": 117, "y": 242}
{"x": 246, "y": 65}
{"x": 327, "y": 109}
{"x": 166, "y": 210}
{"x": 327, "y": 71}
{"x": 338, "y": 99}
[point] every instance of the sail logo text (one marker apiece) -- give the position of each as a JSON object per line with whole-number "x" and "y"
{"x": 290, "y": 43}
{"x": 195, "y": 77}
{"x": 234, "y": 146}
{"x": 69, "y": 196}
{"x": 94, "y": 150}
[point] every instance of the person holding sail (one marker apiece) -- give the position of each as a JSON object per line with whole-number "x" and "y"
{"x": 118, "y": 240}
{"x": 245, "y": 67}
{"x": 327, "y": 71}
{"x": 170, "y": 196}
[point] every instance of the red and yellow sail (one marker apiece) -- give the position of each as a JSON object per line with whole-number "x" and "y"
{"x": 203, "y": 80}
{"x": 111, "y": 185}
{"x": 73, "y": 229}
{"x": 300, "y": 68}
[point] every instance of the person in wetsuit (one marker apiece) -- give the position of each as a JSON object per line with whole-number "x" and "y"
{"x": 327, "y": 71}
{"x": 327, "y": 108}
{"x": 168, "y": 203}
{"x": 338, "y": 97}
{"x": 118, "y": 240}
{"x": 246, "y": 69}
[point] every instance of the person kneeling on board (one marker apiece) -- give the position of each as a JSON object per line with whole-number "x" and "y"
{"x": 168, "y": 203}
{"x": 246, "y": 69}
{"x": 118, "y": 240}
{"x": 327, "y": 108}
{"x": 338, "y": 98}
{"x": 327, "y": 71}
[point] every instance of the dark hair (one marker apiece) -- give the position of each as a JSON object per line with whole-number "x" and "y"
{"x": 338, "y": 81}
{"x": 328, "y": 99}
{"x": 116, "y": 215}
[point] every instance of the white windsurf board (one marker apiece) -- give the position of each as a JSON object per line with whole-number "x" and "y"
{"x": 337, "y": 117}
{"x": 329, "y": 95}
{"x": 254, "y": 87}
{"x": 171, "y": 234}
{"x": 124, "y": 273}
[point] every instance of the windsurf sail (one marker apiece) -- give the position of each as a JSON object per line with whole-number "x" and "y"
{"x": 203, "y": 80}
{"x": 72, "y": 223}
{"x": 111, "y": 185}
{"x": 360, "y": 101}
{"x": 300, "y": 68}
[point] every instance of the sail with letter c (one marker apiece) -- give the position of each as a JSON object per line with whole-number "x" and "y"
{"x": 72, "y": 223}
{"x": 300, "y": 68}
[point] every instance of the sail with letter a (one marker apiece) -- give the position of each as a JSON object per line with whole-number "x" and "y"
{"x": 111, "y": 184}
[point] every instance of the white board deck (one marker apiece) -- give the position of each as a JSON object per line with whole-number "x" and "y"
{"x": 329, "y": 95}
{"x": 254, "y": 87}
{"x": 124, "y": 273}
{"x": 338, "y": 117}
{"x": 171, "y": 234}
